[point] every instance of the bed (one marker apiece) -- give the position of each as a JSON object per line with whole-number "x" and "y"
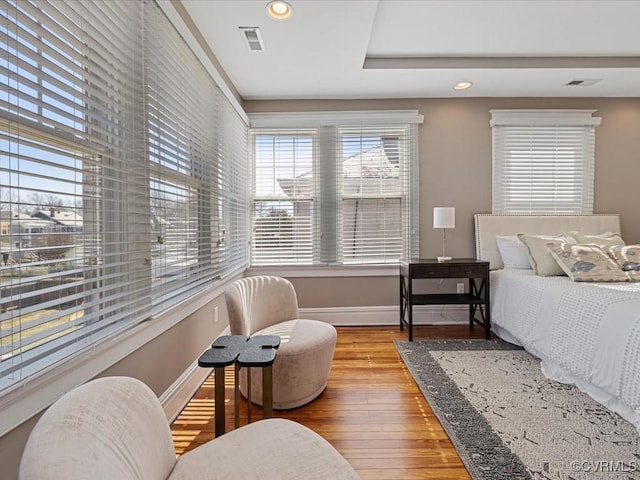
{"x": 585, "y": 334}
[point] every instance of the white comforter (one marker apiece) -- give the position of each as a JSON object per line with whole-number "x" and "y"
{"x": 584, "y": 334}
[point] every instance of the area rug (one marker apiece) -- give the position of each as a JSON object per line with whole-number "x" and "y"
{"x": 508, "y": 421}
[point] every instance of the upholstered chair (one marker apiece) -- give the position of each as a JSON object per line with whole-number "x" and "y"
{"x": 267, "y": 305}
{"x": 114, "y": 428}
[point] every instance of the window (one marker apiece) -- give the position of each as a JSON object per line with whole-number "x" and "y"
{"x": 283, "y": 197}
{"x": 334, "y": 189}
{"x": 373, "y": 191}
{"x": 196, "y": 143}
{"x": 116, "y": 200}
{"x": 543, "y": 161}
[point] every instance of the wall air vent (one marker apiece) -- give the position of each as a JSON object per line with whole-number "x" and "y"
{"x": 253, "y": 38}
{"x": 586, "y": 82}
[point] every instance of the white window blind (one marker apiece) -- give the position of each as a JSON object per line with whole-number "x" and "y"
{"x": 232, "y": 193}
{"x": 332, "y": 189}
{"x": 183, "y": 122}
{"x": 68, "y": 141}
{"x": 374, "y": 188}
{"x": 543, "y": 161}
{"x": 283, "y": 197}
{"x": 113, "y": 162}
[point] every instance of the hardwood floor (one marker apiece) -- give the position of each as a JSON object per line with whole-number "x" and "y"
{"x": 371, "y": 411}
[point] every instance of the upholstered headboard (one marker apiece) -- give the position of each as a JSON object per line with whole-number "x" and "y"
{"x": 488, "y": 226}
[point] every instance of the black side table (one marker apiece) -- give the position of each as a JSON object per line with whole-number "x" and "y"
{"x": 241, "y": 351}
{"x": 222, "y": 353}
{"x": 478, "y": 297}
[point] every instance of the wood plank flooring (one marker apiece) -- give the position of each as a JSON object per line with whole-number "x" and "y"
{"x": 371, "y": 411}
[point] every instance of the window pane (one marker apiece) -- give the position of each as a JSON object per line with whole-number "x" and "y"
{"x": 174, "y": 236}
{"x": 372, "y": 230}
{"x": 373, "y": 186}
{"x": 371, "y": 165}
{"x": 282, "y": 233}
{"x": 44, "y": 269}
{"x": 283, "y": 191}
{"x": 283, "y": 166}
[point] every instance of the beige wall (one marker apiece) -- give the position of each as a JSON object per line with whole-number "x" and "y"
{"x": 455, "y": 170}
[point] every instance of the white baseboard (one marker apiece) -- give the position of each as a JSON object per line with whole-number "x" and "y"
{"x": 176, "y": 397}
{"x": 388, "y": 315}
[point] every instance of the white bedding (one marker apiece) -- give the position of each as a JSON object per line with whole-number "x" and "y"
{"x": 584, "y": 334}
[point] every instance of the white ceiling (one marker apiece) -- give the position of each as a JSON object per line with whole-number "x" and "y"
{"x": 320, "y": 51}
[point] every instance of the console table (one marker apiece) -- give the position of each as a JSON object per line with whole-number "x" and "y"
{"x": 477, "y": 297}
{"x": 240, "y": 351}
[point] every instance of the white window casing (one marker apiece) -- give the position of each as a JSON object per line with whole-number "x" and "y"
{"x": 543, "y": 161}
{"x": 334, "y": 188}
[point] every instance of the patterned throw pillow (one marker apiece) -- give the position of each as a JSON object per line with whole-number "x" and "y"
{"x": 539, "y": 255}
{"x": 627, "y": 257}
{"x": 586, "y": 263}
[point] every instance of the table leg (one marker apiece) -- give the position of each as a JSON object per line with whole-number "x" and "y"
{"x": 401, "y": 302}
{"x": 472, "y": 308}
{"x": 409, "y": 304}
{"x": 267, "y": 392}
{"x": 236, "y": 395}
{"x": 248, "y": 394}
{"x": 219, "y": 401}
{"x": 487, "y": 310}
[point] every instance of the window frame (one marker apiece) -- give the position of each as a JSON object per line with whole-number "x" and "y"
{"x": 329, "y": 128}
{"x": 302, "y": 137}
{"x": 561, "y": 163}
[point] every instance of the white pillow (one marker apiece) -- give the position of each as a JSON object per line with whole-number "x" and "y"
{"x": 514, "y": 253}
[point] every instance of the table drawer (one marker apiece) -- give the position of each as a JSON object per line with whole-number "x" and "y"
{"x": 470, "y": 271}
{"x": 430, "y": 271}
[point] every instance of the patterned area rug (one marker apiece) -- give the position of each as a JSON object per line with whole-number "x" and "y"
{"x": 507, "y": 421}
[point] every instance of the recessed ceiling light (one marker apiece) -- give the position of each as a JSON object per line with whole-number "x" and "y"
{"x": 462, "y": 85}
{"x": 279, "y": 9}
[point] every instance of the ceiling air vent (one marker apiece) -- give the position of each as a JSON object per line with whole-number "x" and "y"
{"x": 586, "y": 82}
{"x": 253, "y": 38}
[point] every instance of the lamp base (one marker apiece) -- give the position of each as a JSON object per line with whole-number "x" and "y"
{"x": 444, "y": 259}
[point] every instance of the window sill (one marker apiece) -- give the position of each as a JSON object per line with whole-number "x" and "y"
{"x": 292, "y": 271}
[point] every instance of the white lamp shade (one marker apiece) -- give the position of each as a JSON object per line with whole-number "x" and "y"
{"x": 444, "y": 217}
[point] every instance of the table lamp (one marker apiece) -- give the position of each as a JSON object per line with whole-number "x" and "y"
{"x": 444, "y": 217}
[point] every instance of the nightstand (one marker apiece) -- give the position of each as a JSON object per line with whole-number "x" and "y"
{"x": 478, "y": 299}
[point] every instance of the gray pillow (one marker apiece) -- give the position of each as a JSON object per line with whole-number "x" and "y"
{"x": 540, "y": 257}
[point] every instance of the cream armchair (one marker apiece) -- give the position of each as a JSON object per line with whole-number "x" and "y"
{"x": 267, "y": 305}
{"x": 114, "y": 428}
